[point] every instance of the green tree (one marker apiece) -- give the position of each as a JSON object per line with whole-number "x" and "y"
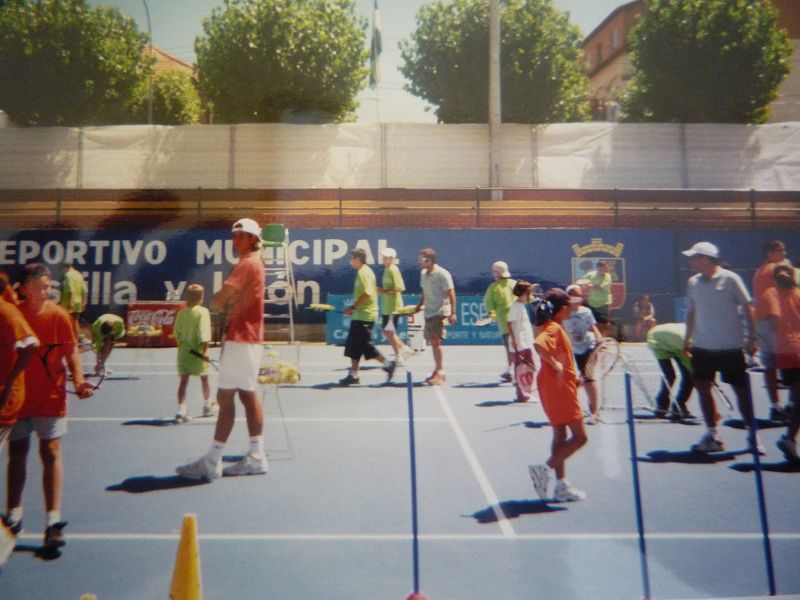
{"x": 542, "y": 76}
{"x": 282, "y": 60}
{"x": 175, "y": 99}
{"x": 64, "y": 63}
{"x": 712, "y": 61}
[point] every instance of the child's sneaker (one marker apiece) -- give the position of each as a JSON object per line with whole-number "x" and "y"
{"x": 349, "y": 380}
{"x": 776, "y": 413}
{"x": 182, "y": 417}
{"x": 54, "y": 535}
{"x": 540, "y": 475}
{"x": 389, "y": 366}
{"x": 565, "y": 492}
{"x": 210, "y": 409}
{"x": 14, "y": 527}
{"x": 249, "y": 465}
{"x": 708, "y": 443}
{"x": 789, "y": 448}
{"x": 202, "y": 468}
{"x": 506, "y": 377}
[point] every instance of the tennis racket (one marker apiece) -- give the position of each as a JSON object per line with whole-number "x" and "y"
{"x": 718, "y": 392}
{"x": 205, "y": 358}
{"x": 44, "y": 357}
{"x": 316, "y": 307}
{"x": 407, "y": 310}
{"x": 602, "y": 359}
{"x": 487, "y": 320}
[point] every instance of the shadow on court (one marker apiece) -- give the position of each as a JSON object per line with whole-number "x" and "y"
{"x": 689, "y": 457}
{"x": 760, "y": 423}
{"x": 475, "y": 386}
{"x": 151, "y": 422}
{"x": 152, "y": 483}
{"x": 513, "y": 509}
{"x": 500, "y": 403}
{"x": 40, "y": 552}
{"x": 782, "y": 467}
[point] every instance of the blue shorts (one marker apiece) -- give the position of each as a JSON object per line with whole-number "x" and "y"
{"x": 46, "y": 428}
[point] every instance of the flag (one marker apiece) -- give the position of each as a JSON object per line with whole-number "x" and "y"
{"x": 376, "y": 49}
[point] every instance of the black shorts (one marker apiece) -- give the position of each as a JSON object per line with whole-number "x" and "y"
{"x": 601, "y": 314}
{"x": 580, "y": 360}
{"x": 729, "y": 363}
{"x": 385, "y": 321}
{"x": 359, "y": 341}
{"x": 790, "y": 376}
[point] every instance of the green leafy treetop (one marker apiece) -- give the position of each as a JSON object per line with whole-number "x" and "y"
{"x": 712, "y": 61}
{"x": 542, "y": 71}
{"x": 282, "y": 60}
{"x": 64, "y": 63}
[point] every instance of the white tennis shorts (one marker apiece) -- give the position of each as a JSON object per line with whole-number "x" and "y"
{"x": 238, "y": 369}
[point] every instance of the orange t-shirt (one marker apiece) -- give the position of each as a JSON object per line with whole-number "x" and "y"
{"x": 15, "y": 334}
{"x": 246, "y": 321}
{"x": 785, "y": 304}
{"x": 45, "y": 388}
{"x": 558, "y": 391}
{"x": 762, "y": 281}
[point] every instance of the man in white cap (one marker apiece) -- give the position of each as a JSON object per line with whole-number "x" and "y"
{"x": 498, "y": 299}
{"x": 715, "y": 337}
{"x": 242, "y": 294}
{"x": 391, "y": 290}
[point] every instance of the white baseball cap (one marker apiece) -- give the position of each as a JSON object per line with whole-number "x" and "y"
{"x": 501, "y": 268}
{"x": 573, "y": 288}
{"x": 703, "y": 249}
{"x": 389, "y": 253}
{"x": 248, "y": 226}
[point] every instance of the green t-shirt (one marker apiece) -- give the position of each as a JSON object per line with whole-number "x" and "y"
{"x": 73, "y": 289}
{"x": 499, "y": 297}
{"x": 192, "y": 330}
{"x": 117, "y": 329}
{"x": 601, "y": 297}
{"x": 392, "y": 280}
{"x": 365, "y": 284}
{"x": 666, "y": 341}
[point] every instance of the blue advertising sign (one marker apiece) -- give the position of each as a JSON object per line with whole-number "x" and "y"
{"x": 124, "y": 266}
{"x": 468, "y": 310}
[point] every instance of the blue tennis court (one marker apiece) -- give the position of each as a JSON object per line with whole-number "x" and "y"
{"x": 332, "y": 519}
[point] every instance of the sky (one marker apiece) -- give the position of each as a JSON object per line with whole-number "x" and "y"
{"x": 176, "y": 23}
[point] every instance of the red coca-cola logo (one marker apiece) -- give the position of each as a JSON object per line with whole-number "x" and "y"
{"x": 159, "y": 318}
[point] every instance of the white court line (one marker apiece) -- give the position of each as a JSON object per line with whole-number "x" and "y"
{"x": 200, "y": 420}
{"x": 433, "y": 537}
{"x": 474, "y": 463}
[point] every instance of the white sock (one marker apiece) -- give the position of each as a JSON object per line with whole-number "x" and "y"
{"x": 256, "y": 445}
{"x": 561, "y": 482}
{"x": 712, "y": 431}
{"x": 53, "y": 517}
{"x": 215, "y": 452}
{"x": 15, "y": 514}
{"x": 182, "y": 410}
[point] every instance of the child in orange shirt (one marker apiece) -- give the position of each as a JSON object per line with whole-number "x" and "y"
{"x": 558, "y": 391}
{"x": 45, "y": 408}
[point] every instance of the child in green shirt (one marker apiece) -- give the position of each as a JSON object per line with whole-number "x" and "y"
{"x": 193, "y": 333}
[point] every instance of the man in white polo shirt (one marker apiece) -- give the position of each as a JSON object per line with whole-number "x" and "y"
{"x": 716, "y": 337}
{"x": 439, "y": 298}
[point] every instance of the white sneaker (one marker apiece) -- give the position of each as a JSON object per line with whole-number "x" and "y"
{"x": 708, "y": 443}
{"x": 249, "y": 465}
{"x": 540, "y": 475}
{"x": 182, "y": 417}
{"x": 202, "y": 468}
{"x": 405, "y": 352}
{"x": 565, "y": 492}
{"x": 210, "y": 409}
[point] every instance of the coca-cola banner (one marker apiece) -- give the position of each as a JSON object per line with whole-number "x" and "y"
{"x": 122, "y": 267}
{"x": 152, "y": 323}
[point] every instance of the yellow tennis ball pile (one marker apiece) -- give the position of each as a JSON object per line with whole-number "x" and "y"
{"x": 281, "y": 372}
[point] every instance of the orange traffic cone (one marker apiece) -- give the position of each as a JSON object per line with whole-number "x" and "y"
{"x": 417, "y": 596}
{"x": 186, "y": 581}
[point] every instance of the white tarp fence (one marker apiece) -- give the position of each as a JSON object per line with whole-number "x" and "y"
{"x": 562, "y": 156}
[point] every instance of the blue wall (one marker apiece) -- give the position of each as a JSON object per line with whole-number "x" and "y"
{"x": 122, "y": 266}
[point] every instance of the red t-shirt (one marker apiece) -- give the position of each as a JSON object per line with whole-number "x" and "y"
{"x": 785, "y": 304}
{"x": 762, "y": 281}
{"x": 558, "y": 392}
{"x": 246, "y": 321}
{"x": 15, "y": 334}
{"x": 45, "y": 388}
